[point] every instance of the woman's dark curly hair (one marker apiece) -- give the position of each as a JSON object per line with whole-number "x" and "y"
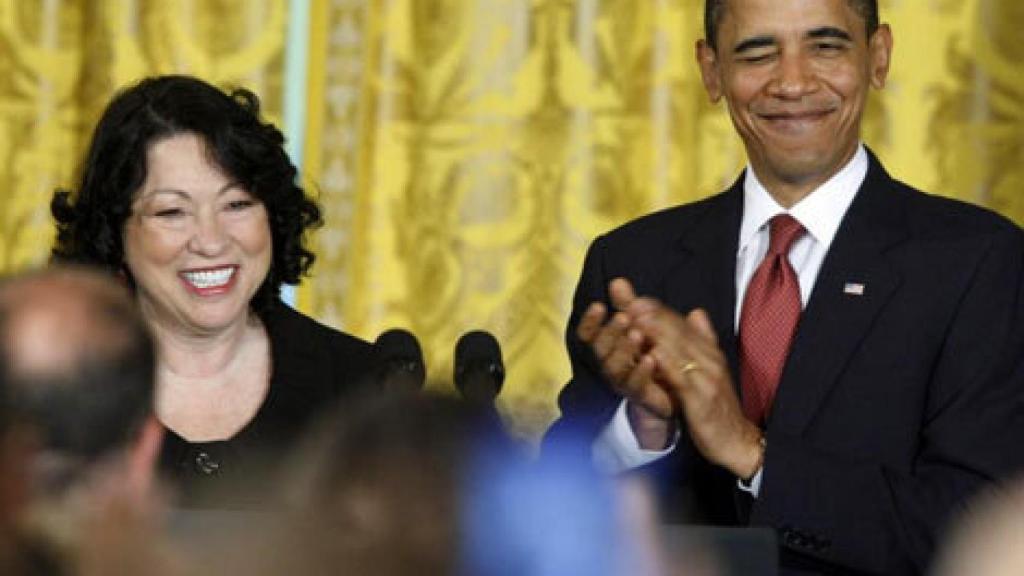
{"x": 90, "y": 223}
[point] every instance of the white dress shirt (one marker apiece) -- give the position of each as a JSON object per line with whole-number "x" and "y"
{"x": 616, "y": 448}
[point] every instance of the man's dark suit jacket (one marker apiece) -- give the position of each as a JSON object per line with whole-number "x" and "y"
{"x": 894, "y": 406}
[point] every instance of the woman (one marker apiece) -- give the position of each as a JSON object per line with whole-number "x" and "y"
{"x": 191, "y": 198}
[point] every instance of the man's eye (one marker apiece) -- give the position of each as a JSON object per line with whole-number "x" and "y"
{"x": 756, "y": 58}
{"x": 829, "y": 48}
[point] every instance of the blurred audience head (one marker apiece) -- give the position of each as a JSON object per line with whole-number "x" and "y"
{"x": 416, "y": 484}
{"x": 377, "y": 486}
{"x": 90, "y": 222}
{"x": 989, "y": 539}
{"x": 78, "y": 365}
{"x": 555, "y": 516}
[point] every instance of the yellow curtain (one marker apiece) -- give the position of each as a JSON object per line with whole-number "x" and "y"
{"x": 465, "y": 152}
{"x": 63, "y": 60}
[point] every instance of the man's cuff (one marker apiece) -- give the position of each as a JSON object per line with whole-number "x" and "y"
{"x": 754, "y": 486}
{"x": 617, "y": 449}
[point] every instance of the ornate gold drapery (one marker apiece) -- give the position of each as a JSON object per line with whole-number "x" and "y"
{"x": 465, "y": 152}
{"x": 62, "y": 61}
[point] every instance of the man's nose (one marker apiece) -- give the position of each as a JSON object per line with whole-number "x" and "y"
{"x": 794, "y": 77}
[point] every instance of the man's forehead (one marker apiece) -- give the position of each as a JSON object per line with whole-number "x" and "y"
{"x": 52, "y": 329}
{"x": 778, "y": 17}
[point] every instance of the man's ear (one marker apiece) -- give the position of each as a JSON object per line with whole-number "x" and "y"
{"x": 707, "y": 59}
{"x": 880, "y": 55}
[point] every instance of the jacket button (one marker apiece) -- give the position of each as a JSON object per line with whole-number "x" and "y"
{"x": 205, "y": 464}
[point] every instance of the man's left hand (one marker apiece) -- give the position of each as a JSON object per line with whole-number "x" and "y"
{"x": 691, "y": 363}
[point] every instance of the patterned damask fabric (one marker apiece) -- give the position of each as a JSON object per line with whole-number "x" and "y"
{"x": 465, "y": 152}
{"x": 481, "y": 146}
{"x": 62, "y": 62}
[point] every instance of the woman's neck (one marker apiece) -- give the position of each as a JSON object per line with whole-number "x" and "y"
{"x": 202, "y": 355}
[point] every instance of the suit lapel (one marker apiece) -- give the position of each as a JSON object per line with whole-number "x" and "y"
{"x": 854, "y": 284}
{"x": 704, "y": 274}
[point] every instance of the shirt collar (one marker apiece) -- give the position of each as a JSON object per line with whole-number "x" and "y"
{"x": 820, "y": 212}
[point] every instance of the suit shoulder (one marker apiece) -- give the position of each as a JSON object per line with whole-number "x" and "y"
{"x": 940, "y": 217}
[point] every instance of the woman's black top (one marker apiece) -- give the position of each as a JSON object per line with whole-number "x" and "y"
{"x": 312, "y": 367}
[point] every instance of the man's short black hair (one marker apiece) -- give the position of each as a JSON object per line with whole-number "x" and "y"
{"x": 714, "y": 9}
{"x": 96, "y": 391}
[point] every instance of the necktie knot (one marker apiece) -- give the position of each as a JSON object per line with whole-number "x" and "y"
{"x": 784, "y": 230}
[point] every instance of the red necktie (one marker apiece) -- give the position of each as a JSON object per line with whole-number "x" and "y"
{"x": 771, "y": 310}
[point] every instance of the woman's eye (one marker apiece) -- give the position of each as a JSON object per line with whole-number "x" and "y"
{"x": 169, "y": 213}
{"x": 236, "y": 205}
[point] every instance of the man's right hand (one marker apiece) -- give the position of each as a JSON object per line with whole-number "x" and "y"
{"x": 621, "y": 348}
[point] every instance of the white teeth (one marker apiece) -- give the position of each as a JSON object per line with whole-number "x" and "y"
{"x": 209, "y": 278}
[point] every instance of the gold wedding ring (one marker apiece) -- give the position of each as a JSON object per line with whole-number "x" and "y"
{"x": 689, "y": 367}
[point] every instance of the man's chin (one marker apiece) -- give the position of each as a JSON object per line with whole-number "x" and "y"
{"x": 803, "y": 167}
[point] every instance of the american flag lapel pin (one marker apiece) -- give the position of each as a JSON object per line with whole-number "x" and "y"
{"x": 853, "y": 289}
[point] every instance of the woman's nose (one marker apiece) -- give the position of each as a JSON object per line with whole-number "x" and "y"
{"x": 210, "y": 238}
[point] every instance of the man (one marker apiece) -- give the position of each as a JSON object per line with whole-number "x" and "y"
{"x": 79, "y": 372}
{"x": 820, "y": 349}
{"x": 77, "y": 366}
